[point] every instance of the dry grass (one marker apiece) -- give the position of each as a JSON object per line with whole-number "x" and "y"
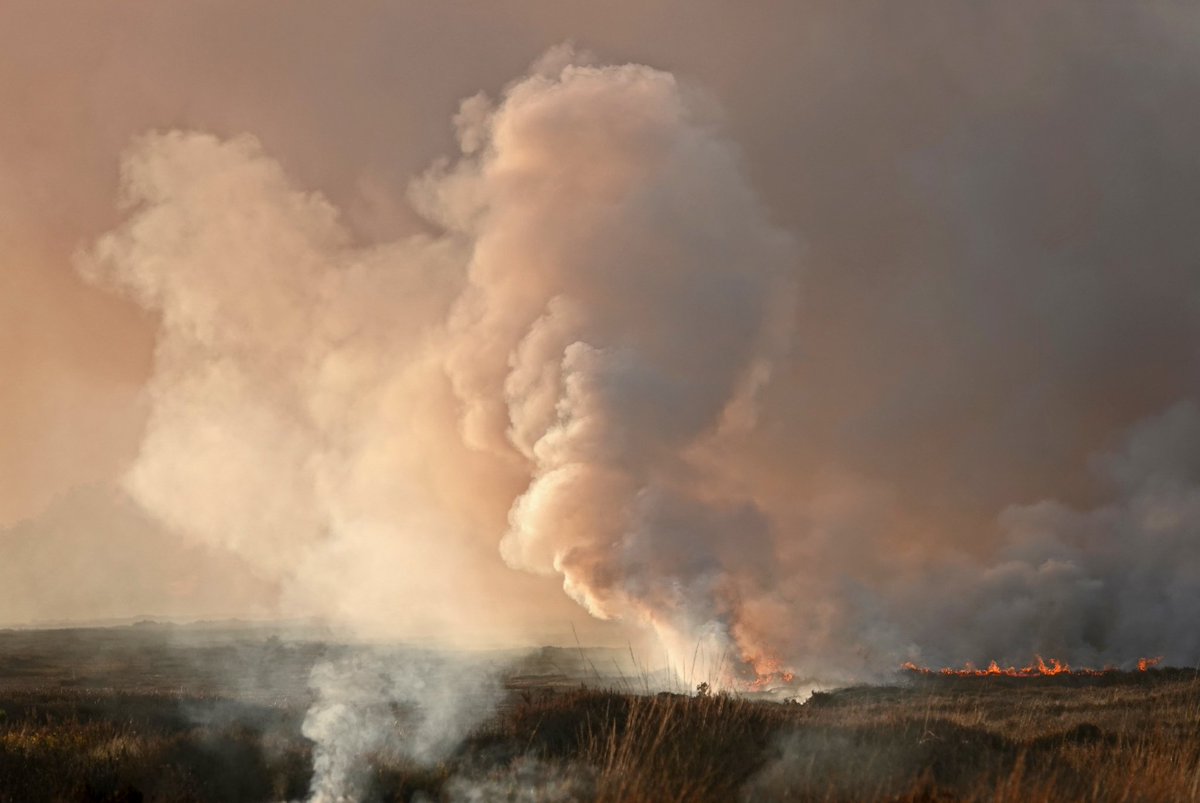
{"x": 1126, "y": 738}
{"x": 1115, "y": 739}
{"x": 74, "y": 746}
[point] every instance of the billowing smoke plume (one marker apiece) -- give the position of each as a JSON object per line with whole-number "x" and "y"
{"x": 589, "y": 368}
{"x": 624, "y": 297}
{"x": 605, "y": 302}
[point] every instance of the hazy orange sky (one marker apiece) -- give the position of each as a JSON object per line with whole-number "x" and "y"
{"x": 995, "y": 263}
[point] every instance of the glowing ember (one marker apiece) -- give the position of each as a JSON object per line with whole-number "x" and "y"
{"x": 1039, "y": 669}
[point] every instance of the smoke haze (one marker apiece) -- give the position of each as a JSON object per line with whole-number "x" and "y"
{"x": 823, "y": 337}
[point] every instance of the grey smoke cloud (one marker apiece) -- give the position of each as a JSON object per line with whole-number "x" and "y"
{"x": 1101, "y": 585}
{"x": 1119, "y": 580}
{"x": 396, "y": 706}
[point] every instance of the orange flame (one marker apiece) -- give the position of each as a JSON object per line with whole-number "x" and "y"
{"x": 768, "y": 672}
{"x": 1039, "y": 669}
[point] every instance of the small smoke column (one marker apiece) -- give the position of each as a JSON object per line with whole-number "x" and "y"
{"x": 525, "y": 780}
{"x": 393, "y": 706}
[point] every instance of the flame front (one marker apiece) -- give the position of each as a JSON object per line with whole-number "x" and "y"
{"x": 1040, "y": 668}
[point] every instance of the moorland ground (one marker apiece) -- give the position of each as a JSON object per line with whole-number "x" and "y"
{"x": 214, "y": 714}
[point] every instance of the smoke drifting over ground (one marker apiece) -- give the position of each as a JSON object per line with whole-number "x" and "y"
{"x": 394, "y": 706}
{"x": 1101, "y": 585}
{"x": 584, "y": 340}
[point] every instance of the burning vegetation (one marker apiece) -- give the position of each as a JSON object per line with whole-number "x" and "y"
{"x": 1040, "y": 668}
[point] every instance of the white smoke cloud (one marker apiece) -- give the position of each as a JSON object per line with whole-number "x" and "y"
{"x": 293, "y": 407}
{"x": 625, "y": 295}
{"x": 392, "y": 707}
{"x": 272, "y": 330}
{"x": 605, "y": 301}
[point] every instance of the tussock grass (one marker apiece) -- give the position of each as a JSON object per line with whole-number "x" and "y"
{"x": 72, "y": 746}
{"x": 1117, "y": 739}
{"x": 1135, "y": 739}
{"x": 928, "y": 742}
